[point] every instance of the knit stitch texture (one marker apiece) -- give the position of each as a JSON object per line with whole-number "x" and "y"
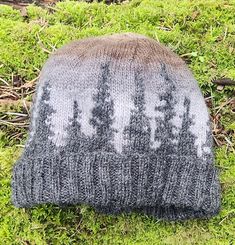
{"x": 119, "y": 123}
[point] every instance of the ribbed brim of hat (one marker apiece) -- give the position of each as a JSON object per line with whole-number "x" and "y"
{"x": 113, "y": 184}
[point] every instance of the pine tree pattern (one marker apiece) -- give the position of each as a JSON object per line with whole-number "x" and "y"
{"x": 186, "y": 143}
{"x": 164, "y": 127}
{"x": 187, "y": 159}
{"x": 138, "y": 132}
{"x": 137, "y": 135}
{"x": 76, "y": 141}
{"x": 43, "y": 131}
{"x": 103, "y": 114}
{"x": 42, "y": 145}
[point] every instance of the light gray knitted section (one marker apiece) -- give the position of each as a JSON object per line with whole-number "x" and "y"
{"x": 119, "y": 123}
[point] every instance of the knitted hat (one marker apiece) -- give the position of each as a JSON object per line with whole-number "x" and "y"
{"x": 119, "y": 123}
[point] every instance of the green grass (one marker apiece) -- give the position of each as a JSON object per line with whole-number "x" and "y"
{"x": 202, "y": 33}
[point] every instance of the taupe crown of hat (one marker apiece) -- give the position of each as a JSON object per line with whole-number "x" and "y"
{"x": 118, "y": 122}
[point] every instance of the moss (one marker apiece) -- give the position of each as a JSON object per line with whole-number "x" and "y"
{"x": 203, "y": 33}
{"x": 10, "y": 13}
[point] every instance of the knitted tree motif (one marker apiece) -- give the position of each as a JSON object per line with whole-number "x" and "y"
{"x": 164, "y": 130}
{"x": 138, "y": 132}
{"x": 76, "y": 140}
{"x": 103, "y": 114}
{"x": 186, "y": 144}
{"x": 43, "y": 126}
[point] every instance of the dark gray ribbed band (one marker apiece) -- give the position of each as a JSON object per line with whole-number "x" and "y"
{"x": 113, "y": 184}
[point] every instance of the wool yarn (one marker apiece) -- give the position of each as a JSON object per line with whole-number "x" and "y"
{"x": 118, "y": 122}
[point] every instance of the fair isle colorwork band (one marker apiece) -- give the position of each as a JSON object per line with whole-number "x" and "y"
{"x": 119, "y": 123}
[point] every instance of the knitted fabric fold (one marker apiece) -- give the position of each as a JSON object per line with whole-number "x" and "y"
{"x": 119, "y": 123}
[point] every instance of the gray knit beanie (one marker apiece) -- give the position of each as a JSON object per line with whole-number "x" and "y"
{"x": 119, "y": 123}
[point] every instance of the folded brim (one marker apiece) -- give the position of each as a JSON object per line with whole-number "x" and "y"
{"x": 167, "y": 187}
